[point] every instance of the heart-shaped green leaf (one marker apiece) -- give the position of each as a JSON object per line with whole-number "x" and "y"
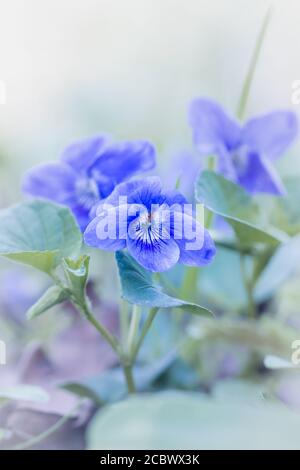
{"x": 185, "y": 420}
{"x": 232, "y": 202}
{"x": 39, "y": 233}
{"x": 139, "y": 288}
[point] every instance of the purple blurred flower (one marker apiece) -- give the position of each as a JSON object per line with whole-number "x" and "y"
{"x": 151, "y": 233}
{"x": 245, "y": 153}
{"x": 88, "y": 171}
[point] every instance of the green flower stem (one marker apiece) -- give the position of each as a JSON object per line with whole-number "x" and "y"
{"x": 125, "y": 360}
{"x": 240, "y": 114}
{"x": 252, "y": 66}
{"x": 134, "y": 327}
{"x": 148, "y": 322}
{"x": 84, "y": 308}
{"x": 189, "y": 286}
{"x": 124, "y": 350}
{"x": 134, "y": 344}
{"x": 248, "y": 283}
{"x": 209, "y": 217}
{"x": 129, "y": 348}
{"x": 129, "y": 379}
{"x": 124, "y": 320}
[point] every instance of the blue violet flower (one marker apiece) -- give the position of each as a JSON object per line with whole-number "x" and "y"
{"x": 158, "y": 227}
{"x": 88, "y": 171}
{"x": 245, "y": 153}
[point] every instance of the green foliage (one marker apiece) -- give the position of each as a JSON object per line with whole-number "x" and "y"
{"x": 76, "y": 273}
{"x": 139, "y": 288}
{"x": 229, "y": 200}
{"x": 178, "y": 420}
{"x": 39, "y": 233}
{"x": 225, "y": 290}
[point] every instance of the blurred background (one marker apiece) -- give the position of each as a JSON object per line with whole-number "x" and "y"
{"x": 130, "y": 68}
{"x": 76, "y": 68}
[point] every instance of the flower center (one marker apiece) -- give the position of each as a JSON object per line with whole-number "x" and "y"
{"x": 87, "y": 192}
{"x": 146, "y": 220}
{"x": 150, "y": 226}
{"x": 145, "y": 229}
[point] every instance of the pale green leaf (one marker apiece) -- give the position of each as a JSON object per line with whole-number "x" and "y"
{"x": 232, "y": 202}
{"x": 139, "y": 288}
{"x": 185, "y": 420}
{"x": 39, "y": 233}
